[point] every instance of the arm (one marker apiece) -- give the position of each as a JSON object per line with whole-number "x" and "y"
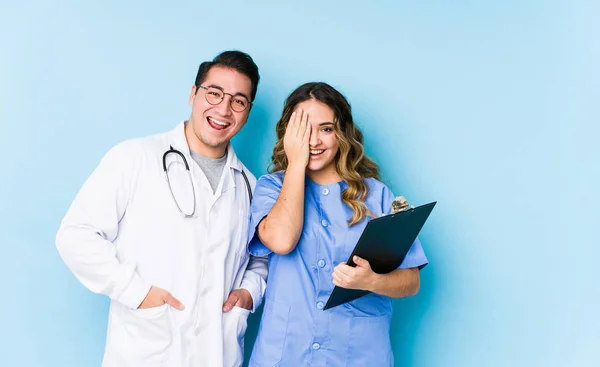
{"x": 86, "y": 234}
{"x": 255, "y": 279}
{"x": 84, "y": 239}
{"x": 280, "y": 229}
{"x": 402, "y": 282}
{"x": 396, "y": 284}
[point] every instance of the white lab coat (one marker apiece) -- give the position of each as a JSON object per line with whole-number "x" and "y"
{"x": 123, "y": 234}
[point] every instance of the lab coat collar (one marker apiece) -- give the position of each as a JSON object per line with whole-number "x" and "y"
{"x": 179, "y": 142}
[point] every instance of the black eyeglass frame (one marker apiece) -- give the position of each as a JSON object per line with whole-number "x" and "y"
{"x": 231, "y": 104}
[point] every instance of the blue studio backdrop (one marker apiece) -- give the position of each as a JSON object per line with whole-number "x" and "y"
{"x": 488, "y": 107}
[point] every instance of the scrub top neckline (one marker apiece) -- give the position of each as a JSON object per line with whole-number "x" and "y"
{"x": 313, "y": 183}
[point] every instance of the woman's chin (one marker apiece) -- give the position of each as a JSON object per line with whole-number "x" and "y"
{"x": 314, "y": 166}
{"x": 318, "y": 167}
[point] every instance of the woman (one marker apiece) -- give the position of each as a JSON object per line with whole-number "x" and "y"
{"x": 307, "y": 215}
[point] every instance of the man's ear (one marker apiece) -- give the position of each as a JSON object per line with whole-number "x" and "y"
{"x": 193, "y": 95}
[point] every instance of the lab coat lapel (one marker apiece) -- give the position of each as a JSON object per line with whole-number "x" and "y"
{"x": 229, "y": 175}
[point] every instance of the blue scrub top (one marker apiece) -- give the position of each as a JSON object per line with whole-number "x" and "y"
{"x": 294, "y": 330}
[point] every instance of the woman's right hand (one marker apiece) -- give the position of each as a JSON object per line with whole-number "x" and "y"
{"x": 296, "y": 139}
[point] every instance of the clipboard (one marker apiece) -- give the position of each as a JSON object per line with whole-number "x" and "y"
{"x": 385, "y": 241}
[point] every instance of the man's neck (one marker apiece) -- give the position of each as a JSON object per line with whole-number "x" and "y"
{"x": 198, "y": 147}
{"x": 208, "y": 152}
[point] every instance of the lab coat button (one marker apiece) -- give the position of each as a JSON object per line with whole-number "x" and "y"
{"x": 316, "y": 346}
{"x": 324, "y": 223}
{"x": 320, "y": 305}
{"x": 321, "y": 263}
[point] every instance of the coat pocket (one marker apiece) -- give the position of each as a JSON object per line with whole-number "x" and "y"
{"x": 235, "y": 323}
{"x": 143, "y": 335}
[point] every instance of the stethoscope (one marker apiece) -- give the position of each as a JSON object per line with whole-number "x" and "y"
{"x": 187, "y": 168}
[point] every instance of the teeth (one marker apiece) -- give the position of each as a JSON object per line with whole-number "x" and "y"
{"x": 220, "y": 123}
{"x": 317, "y": 151}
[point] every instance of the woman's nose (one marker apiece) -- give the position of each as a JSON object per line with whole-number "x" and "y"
{"x": 314, "y": 138}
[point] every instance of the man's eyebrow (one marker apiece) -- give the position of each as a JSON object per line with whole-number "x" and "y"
{"x": 326, "y": 123}
{"x": 222, "y": 90}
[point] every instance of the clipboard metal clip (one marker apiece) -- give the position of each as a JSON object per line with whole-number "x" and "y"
{"x": 400, "y": 205}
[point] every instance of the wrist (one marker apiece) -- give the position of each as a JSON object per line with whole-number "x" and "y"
{"x": 246, "y": 292}
{"x": 295, "y": 168}
{"x": 249, "y": 301}
{"x": 375, "y": 283}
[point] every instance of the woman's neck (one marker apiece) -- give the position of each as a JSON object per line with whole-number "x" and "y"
{"x": 324, "y": 177}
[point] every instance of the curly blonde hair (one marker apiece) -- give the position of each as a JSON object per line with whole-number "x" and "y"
{"x": 351, "y": 163}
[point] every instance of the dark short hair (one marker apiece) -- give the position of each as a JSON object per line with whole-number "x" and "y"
{"x": 236, "y": 60}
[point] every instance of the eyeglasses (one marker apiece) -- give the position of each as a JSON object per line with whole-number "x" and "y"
{"x": 214, "y": 96}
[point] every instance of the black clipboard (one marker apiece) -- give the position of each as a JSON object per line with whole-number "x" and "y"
{"x": 384, "y": 242}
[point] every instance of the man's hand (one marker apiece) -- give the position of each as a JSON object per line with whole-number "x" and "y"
{"x": 157, "y": 297}
{"x": 239, "y": 298}
{"x": 359, "y": 277}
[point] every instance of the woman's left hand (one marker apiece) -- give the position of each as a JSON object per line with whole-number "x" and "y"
{"x": 359, "y": 277}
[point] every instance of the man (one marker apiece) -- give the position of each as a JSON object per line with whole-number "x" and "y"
{"x": 161, "y": 228}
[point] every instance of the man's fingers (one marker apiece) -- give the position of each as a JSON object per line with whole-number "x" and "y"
{"x": 231, "y": 301}
{"x": 174, "y": 302}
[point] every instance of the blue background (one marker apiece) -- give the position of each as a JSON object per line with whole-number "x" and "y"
{"x": 490, "y": 108}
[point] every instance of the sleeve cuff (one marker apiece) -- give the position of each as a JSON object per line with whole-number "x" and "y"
{"x": 256, "y": 298}
{"x": 135, "y": 292}
{"x": 415, "y": 258}
{"x": 255, "y": 246}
